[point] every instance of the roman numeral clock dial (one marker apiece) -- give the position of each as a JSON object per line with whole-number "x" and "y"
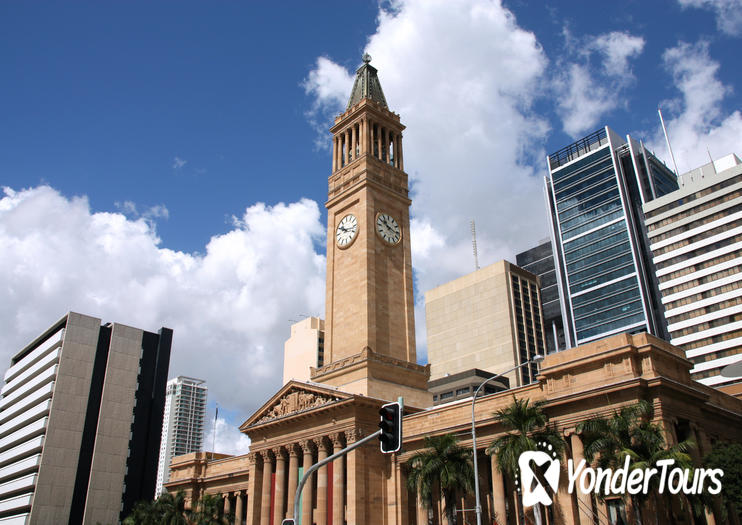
{"x": 347, "y": 231}
{"x": 388, "y": 229}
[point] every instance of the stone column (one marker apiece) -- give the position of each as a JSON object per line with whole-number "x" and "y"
{"x": 401, "y": 155}
{"x": 338, "y": 482}
{"x": 254, "y": 489}
{"x": 585, "y": 508}
{"x": 362, "y": 134}
{"x": 346, "y": 135}
{"x": 227, "y": 503}
{"x": 321, "y": 482}
{"x": 307, "y": 493}
{"x": 265, "y": 500}
{"x": 334, "y": 154}
{"x": 356, "y": 486}
{"x": 385, "y": 145}
{"x": 293, "y": 480}
{"x": 353, "y": 139}
{"x": 565, "y": 502}
{"x": 238, "y": 509}
{"x": 422, "y": 510}
{"x": 278, "y": 513}
{"x": 378, "y": 141}
{"x": 498, "y": 493}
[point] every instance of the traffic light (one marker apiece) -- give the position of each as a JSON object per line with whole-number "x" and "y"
{"x": 390, "y": 438}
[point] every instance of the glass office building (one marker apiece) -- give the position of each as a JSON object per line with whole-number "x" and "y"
{"x": 595, "y": 189}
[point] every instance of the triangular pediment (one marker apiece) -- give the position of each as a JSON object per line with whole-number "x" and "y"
{"x": 295, "y": 398}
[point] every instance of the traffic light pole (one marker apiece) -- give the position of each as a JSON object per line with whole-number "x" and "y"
{"x": 307, "y": 475}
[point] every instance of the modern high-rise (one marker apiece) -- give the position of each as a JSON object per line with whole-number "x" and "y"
{"x": 304, "y": 349}
{"x": 696, "y": 240}
{"x": 183, "y": 423}
{"x": 539, "y": 260}
{"x": 489, "y": 320}
{"x": 80, "y": 420}
{"x": 595, "y": 189}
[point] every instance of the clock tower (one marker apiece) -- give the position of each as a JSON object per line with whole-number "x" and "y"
{"x": 370, "y": 325}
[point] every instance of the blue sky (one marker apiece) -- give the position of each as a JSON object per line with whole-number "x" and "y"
{"x": 165, "y": 163}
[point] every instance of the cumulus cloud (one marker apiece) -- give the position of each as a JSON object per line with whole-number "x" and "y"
{"x": 228, "y": 305}
{"x": 728, "y": 13}
{"x": 463, "y": 75}
{"x": 329, "y": 84}
{"x": 586, "y": 92}
{"x": 696, "y": 120}
{"x": 229, "y": 439}
{"x": 178, "y": 163}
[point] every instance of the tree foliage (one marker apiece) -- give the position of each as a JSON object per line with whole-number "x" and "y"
{"x": 443, "y": 464}
{"x": 631, "y": 432}
{"x": 169, "y": 509}
{"x": 728, "y": 457}
{"x": 529, "y": 425}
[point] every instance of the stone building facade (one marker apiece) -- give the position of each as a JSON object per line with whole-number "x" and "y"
{"x": 370, "y": 359}
{"x": 304, "y": 423}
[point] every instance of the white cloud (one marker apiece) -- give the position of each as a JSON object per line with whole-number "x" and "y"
{"x": 129, "y": 208}
{"x": 329, "y": 84}
{"x": 728, "y": 13}
{"x": 178, "y": 163}
{"x": 229, "y": 439}
{"x": 617, "y": 48}
{"x": 586, "y": 93}
{"x": 229, "y": 306}
{"x": 696, "y": 119}
{"x": 463, "y": 76}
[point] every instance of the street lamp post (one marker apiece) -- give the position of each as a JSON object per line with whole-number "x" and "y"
{"x": 535, "y": 359}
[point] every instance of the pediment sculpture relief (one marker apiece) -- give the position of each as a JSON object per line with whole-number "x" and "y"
{"x": 295, "y": 402}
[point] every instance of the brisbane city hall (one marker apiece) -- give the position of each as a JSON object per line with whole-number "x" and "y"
{"x": 370, "y": 359}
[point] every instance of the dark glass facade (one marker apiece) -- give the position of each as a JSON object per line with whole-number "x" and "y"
{"x": 603, "y": 265}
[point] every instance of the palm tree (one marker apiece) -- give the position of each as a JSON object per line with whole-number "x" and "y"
{"x": 172, "y": 509}
{"x": 145, "y": 512}
{"x": 530, "y": 426}
{"x": 446, "y": 464}
{"x": 630, "y": 432}
{"x": 211, "y": 511}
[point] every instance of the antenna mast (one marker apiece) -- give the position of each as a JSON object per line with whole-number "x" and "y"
{"x": 474, "y": 245}
{"x": 667, "y": 139}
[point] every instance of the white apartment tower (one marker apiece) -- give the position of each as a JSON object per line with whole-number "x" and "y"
{"x": 182, "y": 425}
{"x": 695, "y": 235}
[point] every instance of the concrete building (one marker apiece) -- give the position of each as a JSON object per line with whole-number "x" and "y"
{"x": 80, "y": 416}
{"x": 183, "y": 423}
{"x": 489, "y": 319}
{"x": 696, "y": 241}
{"x": 595, "y": 189}
{"x": 463, "y": 385}
{"x": 539, "y": 260}
{"x": 304, "y": 349}
{"x": 305, "y": 422}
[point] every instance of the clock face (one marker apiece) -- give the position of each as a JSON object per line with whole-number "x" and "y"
{"x": 346, "y": 231}
{"x": 388, "y": 229}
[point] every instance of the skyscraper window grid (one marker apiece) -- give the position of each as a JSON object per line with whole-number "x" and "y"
{"x": 595, "y": 189}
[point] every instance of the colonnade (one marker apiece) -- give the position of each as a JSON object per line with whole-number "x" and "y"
{"x": 367, "y": 137}
{"x": 506, "y": 506}
{"x": 236, "y": 502}
{"x": 323, "y": 499}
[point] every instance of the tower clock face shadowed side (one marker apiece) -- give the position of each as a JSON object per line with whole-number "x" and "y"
{"x": 347, "y": 231}
{"x": 388, "y": 229}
